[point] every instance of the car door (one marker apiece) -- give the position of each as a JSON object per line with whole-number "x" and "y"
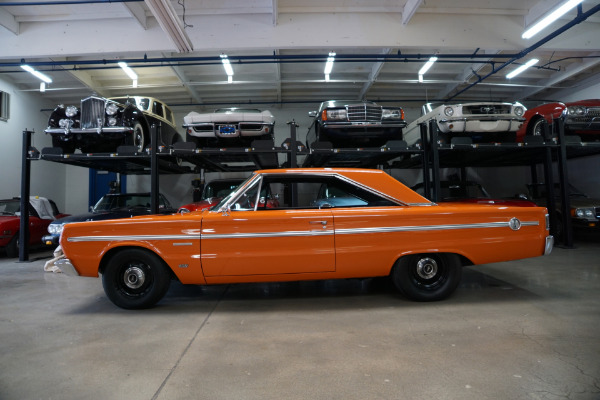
{"x": 271, "y": 235}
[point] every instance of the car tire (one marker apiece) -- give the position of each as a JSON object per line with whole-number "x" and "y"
{"x": 135, "y": 279}
{"x": 137, "y": 138}
{"x": 536, "y": 128}
{"x": 427, "y": 277}
{"x": 12, "y": 248}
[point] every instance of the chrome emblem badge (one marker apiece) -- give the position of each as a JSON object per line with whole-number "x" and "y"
{"x": 514, "y": 224}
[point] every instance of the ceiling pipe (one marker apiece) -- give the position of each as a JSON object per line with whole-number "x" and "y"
{"x": 64, "y": 2}
{"x": 581, "y": 16}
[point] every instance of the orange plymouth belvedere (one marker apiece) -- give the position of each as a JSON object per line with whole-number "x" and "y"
{"x": 330, "y": 223}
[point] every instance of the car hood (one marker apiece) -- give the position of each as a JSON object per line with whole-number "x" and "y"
{"x": 8, "y": 218}
{"x": 584, "y": 202}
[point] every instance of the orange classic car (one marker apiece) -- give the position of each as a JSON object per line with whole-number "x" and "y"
{"x": 329, "y": 224}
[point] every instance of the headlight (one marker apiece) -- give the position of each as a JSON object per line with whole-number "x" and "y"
{"x": 65, "y": 123}
{"x": 55, "y": 229}
{"x": 71, "y": 111}
{"x": 391, "y": 113}
{"x": 112, "y": 121}
{"x": 449, "y": 111}
{"x": 111, "y": 109}
{"x": 335, "y": 114}
{"x": 584, "y": 213}
{"x": 519, "y": 111}
{"x": 576, "y": 111}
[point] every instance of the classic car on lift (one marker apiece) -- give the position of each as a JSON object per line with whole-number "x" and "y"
{"x": 582, "y": 118}
{"x": 229, "y": 127}
{"x": 110, "y": 206}
{"x": 482, "y": 122}
{"x": 355, "y": 124}
{"x": 101, "y": 124}
{"x": 42, "y": 212}
{"x": 382, "y": 228}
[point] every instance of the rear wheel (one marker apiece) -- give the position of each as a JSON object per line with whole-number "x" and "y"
{"x": 427, "y": 277}
{"x": 135, "y": 279}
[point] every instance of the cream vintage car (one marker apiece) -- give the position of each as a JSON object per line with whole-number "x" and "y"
{"x": 328, "y": 223}
{"x": 229, "y": 126}
{"x": 482, "y": 122}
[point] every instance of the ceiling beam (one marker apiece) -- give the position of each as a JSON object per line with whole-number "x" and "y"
{"x": 466, "y": 74}
{"x": 571, "y": 71}
{"x": 275, "y": 13}
{"x": 138, "y": 13}
{"x": 410, "y": 8}
{"x": 375, "y": 70}
{"x": 186, "y": 83}
{"x": 170, "y": 23}
{"x": 8, "y": 21}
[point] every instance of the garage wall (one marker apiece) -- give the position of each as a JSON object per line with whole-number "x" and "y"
{"x": 47, "y": 179}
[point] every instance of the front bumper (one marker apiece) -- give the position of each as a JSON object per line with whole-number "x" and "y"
{"x": 66, "y": 267}
{"x": 494, "y": 125}
{"x": 50, "y": 240}
{"x": 96, "y": 131}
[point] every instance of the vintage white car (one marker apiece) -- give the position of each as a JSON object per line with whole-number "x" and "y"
{"x": 482, "y": 122}
{"x": 228, "y": 126}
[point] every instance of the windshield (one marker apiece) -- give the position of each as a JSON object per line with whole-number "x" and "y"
{"x": 10, "y": 207}
{"x": 126, "y": 201}
{"x": 233, "y": 193}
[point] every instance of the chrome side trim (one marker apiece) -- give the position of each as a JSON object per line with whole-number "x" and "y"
{"x": 133, "y": 237}
{"x": 430, "y": 227}
{"x": 381, "y": 229}
{"x": 267, "y": 234}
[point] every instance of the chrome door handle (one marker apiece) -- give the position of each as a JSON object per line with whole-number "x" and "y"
{"x": 318, "y": 222}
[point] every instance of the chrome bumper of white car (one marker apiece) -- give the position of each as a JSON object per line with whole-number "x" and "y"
{"x": 549, "y": 245}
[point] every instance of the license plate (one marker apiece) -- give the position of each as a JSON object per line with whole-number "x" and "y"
{"x": 227, "y": 129}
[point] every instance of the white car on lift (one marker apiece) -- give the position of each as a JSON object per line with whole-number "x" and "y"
{"x": 229, "y": 126}
{"x": 482, "y": 122}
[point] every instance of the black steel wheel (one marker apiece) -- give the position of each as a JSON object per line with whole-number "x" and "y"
{"x": 427, "y": 277}
{"x": 135, "y": 279}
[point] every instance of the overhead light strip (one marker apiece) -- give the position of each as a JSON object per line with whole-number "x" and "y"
{"x": 37, "y": 74}
{"x": 329, "y": 65}
{"x": 426, "y": 67}
{"x": 522, "y": 68}
{"x": 550, "y": 18}
{"x": 227, "y": 66}
{"x": 130, "y": 73}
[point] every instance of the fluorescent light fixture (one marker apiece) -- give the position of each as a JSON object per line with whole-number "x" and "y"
{"x": 226, "y": 65}
{"x": 170, "y": 23}
{"x": 37, "y": 74}
{"x": 42, "y": 87}
{"x": 427, "y": 65}
{"x": 522, "y": 68}
{"x": 326, "y": 77}
{"x": 550, "y": 18}
{"x": 229, "y": 78}
{"x": 329, "y": 63}
{"x": 420, "y": 78}
{"x": 130, "y": 73}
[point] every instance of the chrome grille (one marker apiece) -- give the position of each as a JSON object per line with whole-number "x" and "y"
{"x": 364, "y": 112}
{"x": 593, "y": 112}
{"x": 486, "y": 109}
{"x": 92, "y": 110}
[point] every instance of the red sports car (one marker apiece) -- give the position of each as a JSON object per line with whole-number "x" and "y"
{"x": 581, "y": 118}
{"x": 42, "y": 211}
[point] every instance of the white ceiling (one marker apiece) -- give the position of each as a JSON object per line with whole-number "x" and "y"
{"x": 278, "y": 50}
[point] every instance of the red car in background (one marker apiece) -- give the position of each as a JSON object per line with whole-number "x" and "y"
{"x": 581, "y": 118}
{"x": 42, "y": 212}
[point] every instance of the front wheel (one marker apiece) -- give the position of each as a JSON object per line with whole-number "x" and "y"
{"x": 136, "y": 138}
{"x": 12, "y": 249}
{"x": 427, "y": 277}
{"x": 135, "y": 279}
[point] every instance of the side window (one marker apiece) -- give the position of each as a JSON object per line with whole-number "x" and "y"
{"x": 157, "y": 109}
{"x": 168, "y": 114}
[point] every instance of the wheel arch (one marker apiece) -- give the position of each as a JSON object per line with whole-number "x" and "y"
{"x": 464, "y": 260}
{"x": 106, "y": 257}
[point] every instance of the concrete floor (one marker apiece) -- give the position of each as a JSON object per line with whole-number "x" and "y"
{"x": 520, "y": 330}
